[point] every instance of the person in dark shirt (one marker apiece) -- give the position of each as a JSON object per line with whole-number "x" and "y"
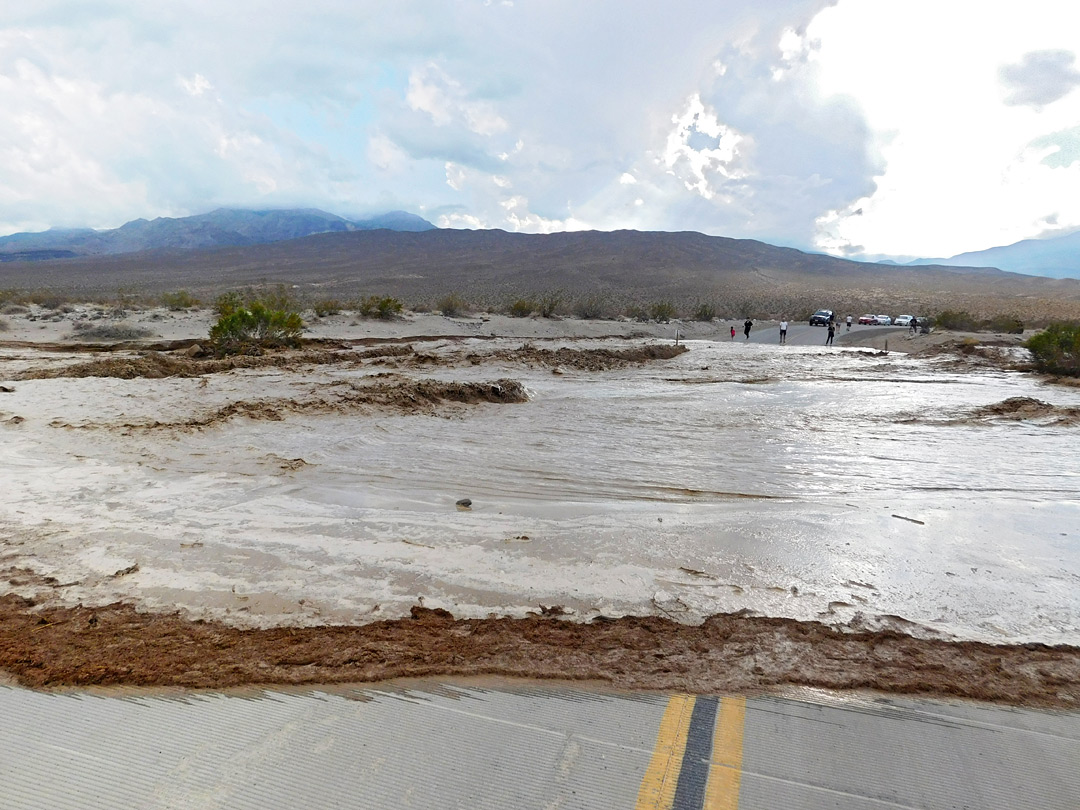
{"x": 746, "y": 328}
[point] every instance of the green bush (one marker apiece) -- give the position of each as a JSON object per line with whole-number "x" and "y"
{"x": 179, "y": 300}
{"x": 1004, "y": 323}
{"x": 522, "y": 308}
{"x": 1057, "y": 349}
{"x": 382, "y": 307}
{"x": 661, "y": 311}
{"x": 705, "y": 312}
{"x": 328, "y": 306}
{"x": 453, "y": 305}
{"x": 549, "y": 302}
{"x": 227, "y": 303}
{"x": 250, "y": 329}
{"x": 592, "y": 308}
{"x": 637, "y": 313}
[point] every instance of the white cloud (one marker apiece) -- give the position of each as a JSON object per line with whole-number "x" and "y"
{"x": 700, "y": 150}
{"x": 960, "y": 171}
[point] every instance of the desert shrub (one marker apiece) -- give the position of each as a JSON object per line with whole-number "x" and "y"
{"x": 1056, "y": 349}
{"x": 453, "y": 305}
{"x": 4, "y": 325}
{"x": 382, "y": 307}
{"x": 13, "y": 309}
{"x": 661, "y": 311}
{"x": 955, "y": 319}
{"x": 253, "y": 328}
{"x": 521, "y": 308}
{"x": 704, "y": 312}
{"x": 278, "y": 298}
{"x": 637, "y": 313}
{"x": 327, "y": 306}
{"x": 7, "y": 295}
{"x": 44, "y": 299}
{"x": 549, "y": 302}
{"x": 227, "y": 303}
{"x": 1004, "y": 323}
{"x": 179, "y": 300}
{"x": 591, "y": 308}
{"x": 83, "y": 330}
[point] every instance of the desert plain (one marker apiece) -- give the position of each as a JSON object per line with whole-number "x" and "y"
{"x": 651, "y": 505}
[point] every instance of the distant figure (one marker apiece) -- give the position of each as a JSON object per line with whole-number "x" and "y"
{"x": 849, "y": 323}
{"x": 914, "y": 325}
{"x": 832, "y": 334}
{"x": 783, "y": 332}
{"x": 733, "y": 331}
{"x": 746, "y": 328}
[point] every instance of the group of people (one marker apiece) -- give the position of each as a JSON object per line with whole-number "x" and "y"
{"x": 829, "y": 336}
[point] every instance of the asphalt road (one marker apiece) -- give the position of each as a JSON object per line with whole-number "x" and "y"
{"x": 432, "y": 744}
{"x": 802, "y": 334}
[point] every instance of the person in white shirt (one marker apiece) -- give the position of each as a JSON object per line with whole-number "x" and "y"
{"x": 783, "y": 331}
{"x": 849, "y": 323}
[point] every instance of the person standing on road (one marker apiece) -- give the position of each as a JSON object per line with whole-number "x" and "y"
{"x": 783, "y": 332}
{"x": 914, "y": 325}
{"x": 746, "y": 328}
{"x": 832, "y": 334}
{"x": 733, "y": 331}
{"x": 849, "y": 323}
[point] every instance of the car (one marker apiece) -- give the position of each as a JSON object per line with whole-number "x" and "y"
{"x": 902, "y": 320}
{"x": 867, "y": 320}
{"x": 883, "y": 320}
{"x": 821, "y": 317}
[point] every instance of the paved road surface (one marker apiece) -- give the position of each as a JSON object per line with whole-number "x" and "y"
{"x": 802, "y": 334}
{"x": 519, "y": 745}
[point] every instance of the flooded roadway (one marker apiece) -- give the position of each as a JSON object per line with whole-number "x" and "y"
{"x": 792, "y": 481}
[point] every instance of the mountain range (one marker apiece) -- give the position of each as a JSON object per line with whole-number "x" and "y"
{"x": 221, "y": 228}
{"x": 1056, "y": 257}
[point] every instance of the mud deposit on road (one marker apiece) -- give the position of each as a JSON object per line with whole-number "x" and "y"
{"x": 725, "y": 519}
{"x": 116, "y": 645}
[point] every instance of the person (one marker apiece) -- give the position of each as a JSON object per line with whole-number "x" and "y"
{"x": 832, "y": 333}
{"x": 849, "y": 323}
{"x": 783, "y": 332}
{"x": 914, "y": 325}
{"x": 746, "y": 328}
{"x": 733, "y": 331}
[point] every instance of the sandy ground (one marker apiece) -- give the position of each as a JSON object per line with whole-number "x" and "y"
{"x": 49, "y": 639}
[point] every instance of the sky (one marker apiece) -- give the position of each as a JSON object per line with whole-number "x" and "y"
{"x": 862, "y": 128}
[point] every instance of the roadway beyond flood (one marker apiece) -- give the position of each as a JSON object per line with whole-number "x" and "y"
{"x": 505, "y": 744}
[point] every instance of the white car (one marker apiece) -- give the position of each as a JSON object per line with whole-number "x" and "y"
{"x": 883, "y": 320}
{"x": 902, "y": 320}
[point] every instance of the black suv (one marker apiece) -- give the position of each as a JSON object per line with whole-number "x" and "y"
{"x": 821, "y": 317}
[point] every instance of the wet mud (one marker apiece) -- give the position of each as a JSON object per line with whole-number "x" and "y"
{"x": 728, "y": 653}
{"x": 398, "y": 395}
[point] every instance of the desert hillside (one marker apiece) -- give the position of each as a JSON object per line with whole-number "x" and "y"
{"x": 489, "y": 269}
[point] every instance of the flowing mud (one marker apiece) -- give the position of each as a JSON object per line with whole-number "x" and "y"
{"x": 116, "y": 645}
{"x": 403, "y": 396}
{"x": 734, "y": 518}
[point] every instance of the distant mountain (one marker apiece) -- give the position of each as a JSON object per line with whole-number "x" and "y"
{"x": 221, "y": 228}
{"x": 1057, "y": 257}
{"x": 618, "y": 270}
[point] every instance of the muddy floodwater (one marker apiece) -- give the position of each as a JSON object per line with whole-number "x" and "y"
{"x": 843, "y": 486}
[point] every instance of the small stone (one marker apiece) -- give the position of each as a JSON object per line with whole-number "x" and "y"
{"x": 465, "y": 503}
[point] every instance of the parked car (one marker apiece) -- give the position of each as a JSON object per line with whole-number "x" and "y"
{"x": 868, "y": 320}
{"x": 883, "y": 320}
{"x": 902, "y": 320}
{"x": 821, "y": 317}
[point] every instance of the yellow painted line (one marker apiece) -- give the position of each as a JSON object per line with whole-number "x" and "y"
{"x": 722, "y": 792}
{"x": 657, "y": 791}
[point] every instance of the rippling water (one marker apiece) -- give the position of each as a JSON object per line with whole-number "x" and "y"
{"x": 837, "y": 485}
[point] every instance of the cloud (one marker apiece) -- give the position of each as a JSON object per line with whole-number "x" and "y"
{"x": 803, "y": 122}
{"x": 1040, "y": 78}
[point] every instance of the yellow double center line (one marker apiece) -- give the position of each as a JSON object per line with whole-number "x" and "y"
{"x": 697, "y": 761}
